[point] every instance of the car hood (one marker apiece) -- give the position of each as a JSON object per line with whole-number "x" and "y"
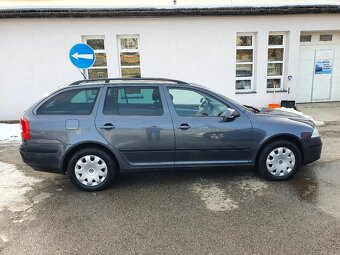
{"x": 283, "y": 114}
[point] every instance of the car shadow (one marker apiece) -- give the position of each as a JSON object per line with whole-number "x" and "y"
{"x": 176, "y": 176}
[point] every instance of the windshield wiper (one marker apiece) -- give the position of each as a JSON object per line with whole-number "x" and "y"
{"x": 254, "y": 110}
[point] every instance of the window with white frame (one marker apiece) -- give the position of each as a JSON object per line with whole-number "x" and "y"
{"x": 245, "y": 47}
{"x": 276, "y": 61}
{"x": 129, "y": 56}
{"x": 99, "y": 68}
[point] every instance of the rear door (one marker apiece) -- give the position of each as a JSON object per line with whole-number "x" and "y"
{"x": 136, "y": 121}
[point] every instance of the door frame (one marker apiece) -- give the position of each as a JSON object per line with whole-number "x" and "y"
{"x": 217, "y": 162}
{"x": 100, "y": 119}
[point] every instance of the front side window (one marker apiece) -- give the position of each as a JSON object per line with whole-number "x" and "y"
{"x": 244, "y": 62}
{"x": 76, "y": 101}
{"x": 129, "y": 56}
{"x": 276, "y": 60}
{"x": 193, "y": 103}
{"x": 99, "y": 68}
{"x": 133, "y": 100}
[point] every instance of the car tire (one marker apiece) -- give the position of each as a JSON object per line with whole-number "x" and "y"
{"x": 279, "y": 160}
{"x": 91, "y": 169}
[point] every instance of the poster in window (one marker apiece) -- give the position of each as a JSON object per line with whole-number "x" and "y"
{"x": 323, "y": 66}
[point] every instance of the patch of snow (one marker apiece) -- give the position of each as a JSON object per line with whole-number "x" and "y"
{"x": 14, "y": 187}
{"x": 40, "y": 197}
{"x": 291, "y": 110}
{"x": 215, "y": 199}
{"x": 4, "y": 238}
{"x": 10, "y": 132}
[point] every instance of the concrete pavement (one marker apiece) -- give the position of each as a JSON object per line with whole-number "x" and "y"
{"x": 325, "y": 111}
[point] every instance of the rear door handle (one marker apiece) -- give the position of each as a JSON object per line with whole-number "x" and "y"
{"x": 107, "y": 126}
{"x": 183, "y": 126}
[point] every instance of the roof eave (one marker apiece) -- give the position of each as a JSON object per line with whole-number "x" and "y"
{"x": 165, "y": 12}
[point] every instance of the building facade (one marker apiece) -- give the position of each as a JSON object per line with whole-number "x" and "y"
{"x": 256, "y": 56}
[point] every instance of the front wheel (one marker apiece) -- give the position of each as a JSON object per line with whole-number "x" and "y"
{"x": 91, "y": 169}
{"x": 279, "y": 160}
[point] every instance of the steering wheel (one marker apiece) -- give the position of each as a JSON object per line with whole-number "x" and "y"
{"x": 205, "y": 108}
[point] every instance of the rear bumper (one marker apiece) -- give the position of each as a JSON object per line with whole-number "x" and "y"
{"x": 44, "y": 157}
{"x": 311, "y": 150}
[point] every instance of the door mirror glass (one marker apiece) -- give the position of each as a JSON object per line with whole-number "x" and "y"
{"x": 229, "y": 114}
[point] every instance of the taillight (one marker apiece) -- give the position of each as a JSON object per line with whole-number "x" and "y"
{"x": 25, "y": 129}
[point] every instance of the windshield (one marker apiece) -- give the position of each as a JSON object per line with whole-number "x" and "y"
{"x": 242, "y": 107}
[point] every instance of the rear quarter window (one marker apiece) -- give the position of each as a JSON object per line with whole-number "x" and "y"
{"x": 75, "y": 101}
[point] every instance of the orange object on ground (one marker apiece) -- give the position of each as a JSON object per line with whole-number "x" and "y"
{"x": 272, "y": 106}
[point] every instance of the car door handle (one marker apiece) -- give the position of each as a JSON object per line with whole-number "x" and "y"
{"x": 107, "y": 126}
{"x": 183, "y": 126}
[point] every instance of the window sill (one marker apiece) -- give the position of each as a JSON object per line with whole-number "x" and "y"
{"x": 246, "y": 92}
{"x": 278, "y": 91}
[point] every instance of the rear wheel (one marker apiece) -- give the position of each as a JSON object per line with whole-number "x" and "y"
{"x": 91, "y": 169}
{"x": 279, "y": 160}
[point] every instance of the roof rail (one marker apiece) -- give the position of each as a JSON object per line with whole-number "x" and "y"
{"x": 108, "y": 80}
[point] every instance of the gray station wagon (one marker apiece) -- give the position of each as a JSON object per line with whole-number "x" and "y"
{"x": 94, "y": 129}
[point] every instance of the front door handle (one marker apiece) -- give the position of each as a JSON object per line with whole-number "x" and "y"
{"x": 184, "y": 126}
{"x": 107, "y": 126}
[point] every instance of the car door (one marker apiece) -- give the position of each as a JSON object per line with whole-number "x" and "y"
{"x": 135, "y": 120}
{"x": 202, "y": 136}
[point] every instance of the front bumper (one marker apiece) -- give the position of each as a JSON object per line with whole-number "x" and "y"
{"x": 311, "y": 150}
{"x": 46, "y": 157}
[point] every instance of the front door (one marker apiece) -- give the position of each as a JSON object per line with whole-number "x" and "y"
{"x": 322, "y": 77}
{"x": 201, "y": 135}
{"x": 137, "y": 123}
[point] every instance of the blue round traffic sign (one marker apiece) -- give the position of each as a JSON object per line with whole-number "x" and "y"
{"x": 82, "y": 56}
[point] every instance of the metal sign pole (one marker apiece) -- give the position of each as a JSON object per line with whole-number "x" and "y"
{"x": 82, "y": 74}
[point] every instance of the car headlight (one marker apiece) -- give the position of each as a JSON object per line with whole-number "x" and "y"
{"x": 315, "y": 133}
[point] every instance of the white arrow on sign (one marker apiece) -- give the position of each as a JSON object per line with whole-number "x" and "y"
{"x": 86, "y": 56}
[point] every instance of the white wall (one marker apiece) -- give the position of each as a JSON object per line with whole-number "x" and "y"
{"x": 34, "y": 52}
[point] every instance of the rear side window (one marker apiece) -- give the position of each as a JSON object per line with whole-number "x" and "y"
{"x": 76, "y": 101}
{"x": 134, "y": 100}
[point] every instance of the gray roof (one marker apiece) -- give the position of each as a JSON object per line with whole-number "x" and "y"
{"x": 165, "y": 12}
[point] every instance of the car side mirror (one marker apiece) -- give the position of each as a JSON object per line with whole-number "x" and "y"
{"x": 229, "y": 114}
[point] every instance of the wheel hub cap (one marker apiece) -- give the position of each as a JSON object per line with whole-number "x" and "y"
{"x": 280, "y": 161}
{"x": 90, "y": 170}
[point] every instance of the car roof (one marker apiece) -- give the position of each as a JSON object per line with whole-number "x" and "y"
{"x": 111, "y": 81}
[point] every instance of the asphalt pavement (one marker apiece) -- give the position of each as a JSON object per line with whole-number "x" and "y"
{"x": 212, "y": 211}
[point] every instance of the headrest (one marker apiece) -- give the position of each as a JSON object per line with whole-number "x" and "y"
{"x": 155, "y": 95}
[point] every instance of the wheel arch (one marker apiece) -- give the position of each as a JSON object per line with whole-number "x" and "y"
{"x": 73, "y": 149}
{"x": 285, "y": 137}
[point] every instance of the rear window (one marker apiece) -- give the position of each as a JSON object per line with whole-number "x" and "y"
{"x": 76, "y": 101}
{"x": 142, "y": 101}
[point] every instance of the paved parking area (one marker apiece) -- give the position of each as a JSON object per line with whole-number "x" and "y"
{"x": 212, "y": 211}
{"x": 326, "y": 111}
